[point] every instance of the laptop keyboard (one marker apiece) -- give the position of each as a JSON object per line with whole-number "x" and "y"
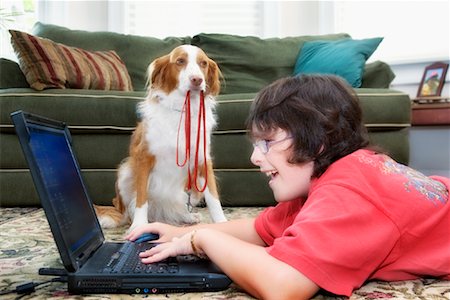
{"x": 126, "y": 260}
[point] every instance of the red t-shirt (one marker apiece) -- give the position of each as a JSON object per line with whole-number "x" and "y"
{"x": 367, "y": 217}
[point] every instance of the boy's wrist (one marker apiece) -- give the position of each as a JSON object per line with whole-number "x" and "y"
{"x": 196, "y": 248}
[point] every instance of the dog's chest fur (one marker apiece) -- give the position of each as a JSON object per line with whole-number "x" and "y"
{"x": 164, "y": 133}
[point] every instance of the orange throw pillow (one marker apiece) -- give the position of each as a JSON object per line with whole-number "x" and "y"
{"x": 47, "y": 64}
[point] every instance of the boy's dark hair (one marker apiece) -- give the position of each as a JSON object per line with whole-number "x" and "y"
{"x": 321, "y": 113}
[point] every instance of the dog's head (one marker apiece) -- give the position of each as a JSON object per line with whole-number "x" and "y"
{"x": 184, "y": 68}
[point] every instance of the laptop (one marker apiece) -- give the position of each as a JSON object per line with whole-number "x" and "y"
{"x": 94, "y": 265}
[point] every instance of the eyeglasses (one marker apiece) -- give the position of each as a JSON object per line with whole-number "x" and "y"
{"x": 264, "y": 145}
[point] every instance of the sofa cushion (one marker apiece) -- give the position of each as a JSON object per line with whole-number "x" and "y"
{"x": 249, "y": 63}
{"x": 96, "y": 126}
{"x": 345, "y": 58}
{"x": 47, "y": 64}
{"x": 91, "y": 110}
{"x": 85, "y": 109}
{"x": 136, "y": 51}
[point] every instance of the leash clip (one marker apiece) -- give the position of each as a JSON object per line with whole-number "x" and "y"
{"x": 189, "y": 205}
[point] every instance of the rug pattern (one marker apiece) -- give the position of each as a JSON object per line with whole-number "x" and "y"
{"x": 26, "y": 244}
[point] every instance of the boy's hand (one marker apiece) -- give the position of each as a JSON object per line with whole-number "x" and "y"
{"x": 178, "y": 246}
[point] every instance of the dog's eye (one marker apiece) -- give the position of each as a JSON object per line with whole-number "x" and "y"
{"x": 181, "y": 61}
{"x": 203, "y": 64}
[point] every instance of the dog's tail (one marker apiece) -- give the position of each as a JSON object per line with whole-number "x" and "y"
{"x": 111, "y": 216}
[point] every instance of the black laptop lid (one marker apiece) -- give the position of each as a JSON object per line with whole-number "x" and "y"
{"x": 56, "y": 174}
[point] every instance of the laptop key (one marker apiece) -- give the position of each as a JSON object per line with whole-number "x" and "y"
{"x": 150, "y": 269}
{"x": 162, "y": 268}
{"x": 173, "y": 268}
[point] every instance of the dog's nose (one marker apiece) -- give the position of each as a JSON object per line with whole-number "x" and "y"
{"x": 196, "y": 80}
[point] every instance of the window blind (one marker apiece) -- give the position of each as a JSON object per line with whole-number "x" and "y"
{"x": 187, "y": 18}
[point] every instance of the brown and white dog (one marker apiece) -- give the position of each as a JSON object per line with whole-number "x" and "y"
{"x": 152, "y": 182}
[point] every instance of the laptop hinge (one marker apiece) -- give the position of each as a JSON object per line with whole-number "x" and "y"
{"x": 82, "y": 258}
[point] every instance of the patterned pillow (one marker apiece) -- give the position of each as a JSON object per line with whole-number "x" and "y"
{"x": 47, "y": 64}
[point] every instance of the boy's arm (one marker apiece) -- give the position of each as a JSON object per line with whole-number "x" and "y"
{"x": 252, "y": 268}
{"x": 243, "y": 229}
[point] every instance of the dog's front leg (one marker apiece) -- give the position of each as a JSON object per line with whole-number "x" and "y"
{"x": 212, "y": 197}
{"x": 143, "y": 165}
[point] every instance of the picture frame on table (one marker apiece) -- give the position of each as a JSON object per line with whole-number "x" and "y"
{"x": 433, "y": 80}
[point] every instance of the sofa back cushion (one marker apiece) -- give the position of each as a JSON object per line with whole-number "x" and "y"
{"x": 136, "y": 51}
{"x": 249, "y": 63}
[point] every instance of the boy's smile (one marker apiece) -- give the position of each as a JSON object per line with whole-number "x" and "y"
{"x": 270, "y": 174}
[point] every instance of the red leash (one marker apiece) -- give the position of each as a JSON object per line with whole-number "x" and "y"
{"x": 186, "y": 112}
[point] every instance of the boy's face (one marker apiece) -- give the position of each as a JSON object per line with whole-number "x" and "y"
{"x": 287, "y": 181}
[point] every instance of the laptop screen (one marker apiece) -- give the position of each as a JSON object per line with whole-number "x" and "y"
{"x": 65, "y": 190}
{"x": 46, "y": 145}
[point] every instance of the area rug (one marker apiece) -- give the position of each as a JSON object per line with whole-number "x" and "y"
{"x": 26, "y": 244}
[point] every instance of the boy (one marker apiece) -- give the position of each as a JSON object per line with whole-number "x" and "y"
{"x": 346, "y": 213}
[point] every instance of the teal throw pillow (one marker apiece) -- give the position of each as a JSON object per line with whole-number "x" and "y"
{"x": 345, "y": 58}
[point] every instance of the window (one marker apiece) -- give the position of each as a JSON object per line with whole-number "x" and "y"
{"x": 16, "y": 14}
{"x": 187, "y": 18}
{"x": 413, "y": 30}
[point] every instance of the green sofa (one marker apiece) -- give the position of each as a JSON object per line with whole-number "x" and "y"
{"x": 101, "y": 121}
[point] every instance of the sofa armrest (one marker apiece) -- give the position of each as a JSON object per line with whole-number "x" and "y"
{"x": 377, "y": 75}
{"x": 11, "y": 76}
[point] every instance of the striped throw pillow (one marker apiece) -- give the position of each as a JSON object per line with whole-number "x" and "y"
{"x": 47, "y": 64}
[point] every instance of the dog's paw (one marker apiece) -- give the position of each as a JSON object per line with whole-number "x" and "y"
{"x": 219, "y": 219}
{"x": 136, "y": 224}
{"x": 218, "y": 216}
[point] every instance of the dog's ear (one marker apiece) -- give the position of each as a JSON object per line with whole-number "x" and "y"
{"x": 213, "y": 78}
{"x": 156, "y": 71}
